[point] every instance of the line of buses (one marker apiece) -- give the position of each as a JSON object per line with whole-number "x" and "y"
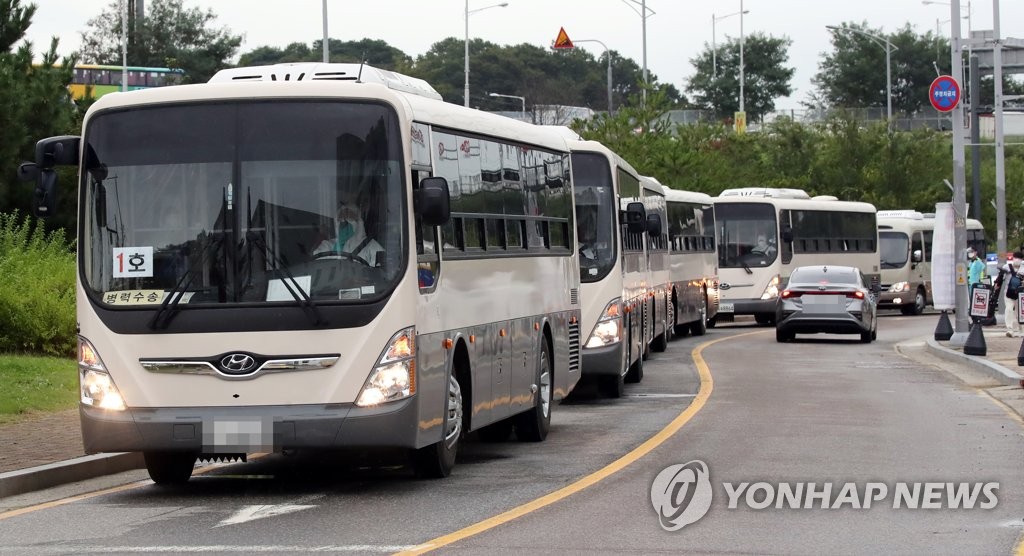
{"x": 314, "y": 256}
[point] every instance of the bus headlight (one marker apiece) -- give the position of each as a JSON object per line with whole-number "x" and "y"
{"x": 96, "y": 386}
{"x": 394, "y": 376}
{"x": 771, "y": 291}
{"x": 900, "y": 287}
{"x": 609, "y": 326}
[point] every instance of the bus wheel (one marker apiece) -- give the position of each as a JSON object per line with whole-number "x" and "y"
{"x": 613, "y": 386}
{"x": 437, "y": 460}
{"x": 681, "y": 330}
{"x": 533, "y": 425}
{"x": 170, "y": 468}
{"x": 660, "y": 342}
{"x": 700, "y": 326}
{"x": 920, "y": 303}
{"x": 713, "y": 321}
{"x": 636, "y": 371}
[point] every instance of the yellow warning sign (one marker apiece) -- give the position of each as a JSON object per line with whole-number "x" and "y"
{"x": 562, "y": 41}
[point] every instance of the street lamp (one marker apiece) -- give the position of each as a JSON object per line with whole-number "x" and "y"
{"x": 939, "y": 3}
{"x": 889, "y": 47}
{"x": 468, "y": 12}
{"x": 607, "y": 54}
{"x": 522, "y": 99}
{"x": 714, "y": 46}
{"x": 642, "y": 12}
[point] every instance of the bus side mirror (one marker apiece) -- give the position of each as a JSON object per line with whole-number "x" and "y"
{"x": 636, "y": 218}
{"x": 50, "y": 152}
{"x": 917, "y": 256}
{"x": 654, "y": 225}
{"x": 433, "y": 202}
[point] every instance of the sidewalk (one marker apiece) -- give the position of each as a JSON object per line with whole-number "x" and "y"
{"x": 999, "y": 361}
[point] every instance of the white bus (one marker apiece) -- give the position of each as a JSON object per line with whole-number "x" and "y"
{"x": 764, "y": 233}
{"x": 659, "y": 282}
{"x": 309, "y": 256}
{"x": 905, "y": 248}
{"x": 613, "y": 265}
{"x": 693, "y": 260}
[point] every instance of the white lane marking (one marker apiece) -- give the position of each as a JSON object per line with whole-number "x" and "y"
{"x": 260, "y": 511}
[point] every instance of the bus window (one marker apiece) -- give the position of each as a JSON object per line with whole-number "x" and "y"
{"x": 917, "y": 244}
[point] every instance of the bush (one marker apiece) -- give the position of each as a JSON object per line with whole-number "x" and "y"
{"x": 37, "y": 289}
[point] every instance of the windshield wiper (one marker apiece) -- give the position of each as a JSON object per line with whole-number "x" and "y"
{"x": 169, "y": 307}
{"x": 307, "y": 304}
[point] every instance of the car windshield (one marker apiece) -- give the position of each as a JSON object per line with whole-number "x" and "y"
{"x": 747, "y": 234}
{"x": 839, "y": 276}
{"x": 595, "y": 215}
{"x": 893, "y": 249}
{"x": 241, "y": 202}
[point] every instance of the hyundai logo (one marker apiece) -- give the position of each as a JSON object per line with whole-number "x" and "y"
{"x": 725, "y": 285}
{"x": 237, "y": 363}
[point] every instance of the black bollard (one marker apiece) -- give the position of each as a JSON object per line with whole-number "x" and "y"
{"x": 944, "y": 330}
{"x": 976, "y": 341}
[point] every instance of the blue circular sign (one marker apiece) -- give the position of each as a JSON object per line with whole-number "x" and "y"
{"x": 944, "y": 94}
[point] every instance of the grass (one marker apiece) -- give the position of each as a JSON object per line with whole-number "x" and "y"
{"x": 30, "y": 383}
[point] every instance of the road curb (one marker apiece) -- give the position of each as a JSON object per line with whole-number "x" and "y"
{"x": 998, "y": 372}
{"x": 70, "y": 471}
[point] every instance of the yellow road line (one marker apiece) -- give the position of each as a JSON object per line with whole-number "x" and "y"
{"x": 706, "y": 386}
{"x": 94, "y": 494}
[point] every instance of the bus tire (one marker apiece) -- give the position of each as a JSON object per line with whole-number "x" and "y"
{"x": 699, "y": 327}
{"x": 648, "y": 317}
{"x": 713, "y": 321}
{"x": 437, "y": 460}
{"x": 660, "y": 342}
{"x": 919, "y": 305}
{"x": 681, "y": 330}
{"x": 170, "y": 468}
{"x": 613, "y": 386}
{"x": 533, "y": 425}
{"x": 636, "y": 371}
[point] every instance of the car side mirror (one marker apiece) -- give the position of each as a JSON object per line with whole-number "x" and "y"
{"x": 433, "y": 201}
{"x": 917, "y": 256}
{"x": 636, "y": 218}
{"x": 52, "y": 151}
{"x": 654, "y": 225}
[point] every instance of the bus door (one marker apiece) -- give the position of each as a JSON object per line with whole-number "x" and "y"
{"x": 920, "y": 266}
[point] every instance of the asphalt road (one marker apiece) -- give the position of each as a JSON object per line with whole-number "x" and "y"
{"x": 825, "y": 409}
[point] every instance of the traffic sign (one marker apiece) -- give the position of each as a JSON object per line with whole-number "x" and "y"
{"x": 944, "y": 94}
{"x": 562, "y": 41}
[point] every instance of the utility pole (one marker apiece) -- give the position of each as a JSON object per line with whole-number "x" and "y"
{"x": 997, "y": 63}
{"x": 975, "y": 139}
{"x": 962, "y": 325}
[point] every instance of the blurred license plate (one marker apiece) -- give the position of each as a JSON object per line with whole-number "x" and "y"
{"x": 238, "y": 435}
{"x": 726, "y": 308}
{"x": 825, "y": 303}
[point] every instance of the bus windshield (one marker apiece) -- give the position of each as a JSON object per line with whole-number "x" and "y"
{"x": 893, "y": 248}
{"x": 748, "y": 234}
{"x": 243, "y": 202}
{"x": 595, "y": 215}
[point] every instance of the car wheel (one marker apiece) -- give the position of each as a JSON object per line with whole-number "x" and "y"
{"x": 437, "y": 460}
{"x": 866, "y": 337}
{"x": 764, "y": 320}
{"x": 920, "y": 302}
{"x": 782, "y": 336}
{"x": 170, "y": 468}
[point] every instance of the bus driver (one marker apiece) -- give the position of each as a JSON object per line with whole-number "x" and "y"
{"x": 351, "y": 235}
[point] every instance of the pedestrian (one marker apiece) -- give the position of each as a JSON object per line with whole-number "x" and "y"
{"x": 1013, "y": 276}
{"x": 976, "y": 269}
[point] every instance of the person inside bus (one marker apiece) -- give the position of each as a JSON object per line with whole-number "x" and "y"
{"x": 763, "y": 247}
{"x": 351, "y": 236}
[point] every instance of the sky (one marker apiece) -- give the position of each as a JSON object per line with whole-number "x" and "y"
{"x": 676, "y": 32}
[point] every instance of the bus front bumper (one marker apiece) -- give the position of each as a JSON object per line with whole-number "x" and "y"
{"x": 229, "y": 430}
{"x": 603, "y": 361}
{"x": 728, "y": 308}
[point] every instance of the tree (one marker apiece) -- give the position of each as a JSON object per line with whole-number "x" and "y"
{"x": 766, "y": 76}
{"x": 36, "y": 105}
{"x": 169, "y": 36}
{"x": 377, "y": 53}
{"x": 853, "y": 75}
{"x": 543, "y": 76}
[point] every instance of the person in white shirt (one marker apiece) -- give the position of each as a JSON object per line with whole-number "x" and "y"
{"x": 1007, "y": 272}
